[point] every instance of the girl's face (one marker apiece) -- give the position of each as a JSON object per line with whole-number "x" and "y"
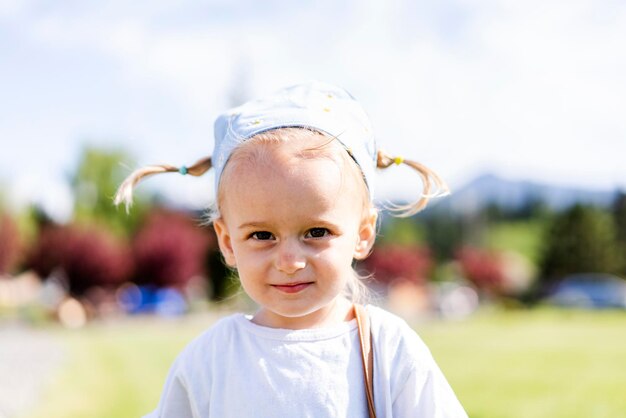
{"x": 292, "y": 226}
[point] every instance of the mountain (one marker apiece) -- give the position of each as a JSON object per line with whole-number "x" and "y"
{"x": 515, "y": 194}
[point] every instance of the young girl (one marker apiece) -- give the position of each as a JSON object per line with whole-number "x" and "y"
{"x": 294, "y": 175}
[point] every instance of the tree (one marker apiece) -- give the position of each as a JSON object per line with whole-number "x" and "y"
{"x": 581, "y": 239}
{"x": 444, "y": 234}
{"x": 10, "y": 244}
{"x": 484, "y": 268}
{"x": 170, "y": 249}
{"x": 84, "y": 256}
{"x": 400, "y": 231}
{"x": 95, "y": 182}
{"x": 388, "y": 263}
{"x": 619, "y": 217}
{"x": 223, "y": 280}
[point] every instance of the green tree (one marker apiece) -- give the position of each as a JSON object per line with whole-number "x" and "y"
{"x": 444, "y": 234}
{"x": 400, "y": 231}
{"x": 98, "y": 175}
{"x": 581, "y": 239}
{"x": 619, "y": 216}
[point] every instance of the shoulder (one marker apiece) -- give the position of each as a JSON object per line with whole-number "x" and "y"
{"x": 207, "y": 344}
{"x": 389, "y": 324}
{"x": 394, "y": 337}
{"x": 378, "y": 314}
{"x": 407, "y": 375}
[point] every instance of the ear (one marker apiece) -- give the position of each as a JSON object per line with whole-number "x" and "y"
{"x": 224, "y": 241}
{"x": 367, "y": 235}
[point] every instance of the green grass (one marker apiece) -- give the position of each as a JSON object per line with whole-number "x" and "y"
{"x": 116, "y": 370}
{"x": 524, "y": 237}
{"x": 542, "y": 363}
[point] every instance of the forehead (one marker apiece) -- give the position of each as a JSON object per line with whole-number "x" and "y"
{"x": 321, "y": 178}
{"x": 315, "y": 165}
{"x": 288, "y": 148}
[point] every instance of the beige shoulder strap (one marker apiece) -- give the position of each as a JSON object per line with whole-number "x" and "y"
{"x": 367, "y": 354}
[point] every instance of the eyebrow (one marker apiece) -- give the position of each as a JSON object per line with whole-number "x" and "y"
{"x": 252, "y": 224}
{"x": 313, "y": 222}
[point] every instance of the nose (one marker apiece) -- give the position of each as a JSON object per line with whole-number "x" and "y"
{"x": 290, "y": 257}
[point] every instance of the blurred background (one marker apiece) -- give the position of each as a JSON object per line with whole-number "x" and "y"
{"x": 515, "y": 281}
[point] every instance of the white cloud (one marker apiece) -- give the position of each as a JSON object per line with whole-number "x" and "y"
{"x": 532, "y": 89}
{"x": 10, "y": 9}
{"x": 49, "y": 193}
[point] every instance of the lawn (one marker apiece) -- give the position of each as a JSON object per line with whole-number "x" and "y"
{"x": 540, "y": 363}
{"x": 543, "y": 363}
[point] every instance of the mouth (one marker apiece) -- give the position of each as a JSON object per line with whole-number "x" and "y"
{"x": 292, "y": 287}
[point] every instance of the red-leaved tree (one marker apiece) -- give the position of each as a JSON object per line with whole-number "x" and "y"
{"x": 169, "y": 249}
{"x": 85, "y": 256}
{"x": 392, "y": 262}
{"x": 484, "y": 268}
{"x": 10, "y": 244}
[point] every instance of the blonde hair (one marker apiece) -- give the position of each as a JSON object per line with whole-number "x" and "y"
{"x": 124, "y": 193}
{"x": 432, "y": 185}
{"x": 356, "y": 290}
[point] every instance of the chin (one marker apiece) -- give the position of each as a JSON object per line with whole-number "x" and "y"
{"x": 295, "y": 312}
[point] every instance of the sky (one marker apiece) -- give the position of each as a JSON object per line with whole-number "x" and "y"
{"x": 532, "y": 90}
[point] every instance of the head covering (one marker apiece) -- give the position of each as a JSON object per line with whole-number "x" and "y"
{"x": 314, "y": 105}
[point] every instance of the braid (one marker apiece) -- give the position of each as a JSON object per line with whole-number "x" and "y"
{"x": 125, "y": 191}
{"x": 429, "y": 178}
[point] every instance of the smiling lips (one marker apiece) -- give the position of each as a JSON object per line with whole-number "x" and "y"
{"x": 292, "y": 287}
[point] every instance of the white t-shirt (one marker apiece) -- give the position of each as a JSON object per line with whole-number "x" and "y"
{"x": 240, "y": 369}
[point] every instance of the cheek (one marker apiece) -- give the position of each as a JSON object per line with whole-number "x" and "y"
{"x": 340, "y": 255}
{"x": 246, "y": 259}
{"x": 253, "y": 265}
{"x": 250, "y": 274}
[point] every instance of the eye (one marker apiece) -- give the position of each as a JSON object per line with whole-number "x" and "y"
{"x": 262, "y": 235}
{"x": 317, "y": 233}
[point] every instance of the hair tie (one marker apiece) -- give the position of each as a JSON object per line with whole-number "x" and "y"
{"x": 398, "y": 160}
{"x": 182, "y": 170}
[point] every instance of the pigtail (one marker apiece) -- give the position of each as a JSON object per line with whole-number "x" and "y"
{"x": 430, "y": 181}
{"x": 125, "y": 191}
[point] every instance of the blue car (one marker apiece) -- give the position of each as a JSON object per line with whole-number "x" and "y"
{"x": 590, "y": 290}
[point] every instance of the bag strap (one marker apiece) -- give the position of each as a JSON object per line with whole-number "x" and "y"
{"x": 367, "y": 354}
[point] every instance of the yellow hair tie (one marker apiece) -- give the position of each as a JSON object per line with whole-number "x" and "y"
{"x": 398, "y": 160}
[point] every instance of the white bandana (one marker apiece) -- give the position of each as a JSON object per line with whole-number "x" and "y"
{"x": 315, "y": 105}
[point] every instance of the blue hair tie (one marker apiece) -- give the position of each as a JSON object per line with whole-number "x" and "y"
{"x": 182, "y": 170}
